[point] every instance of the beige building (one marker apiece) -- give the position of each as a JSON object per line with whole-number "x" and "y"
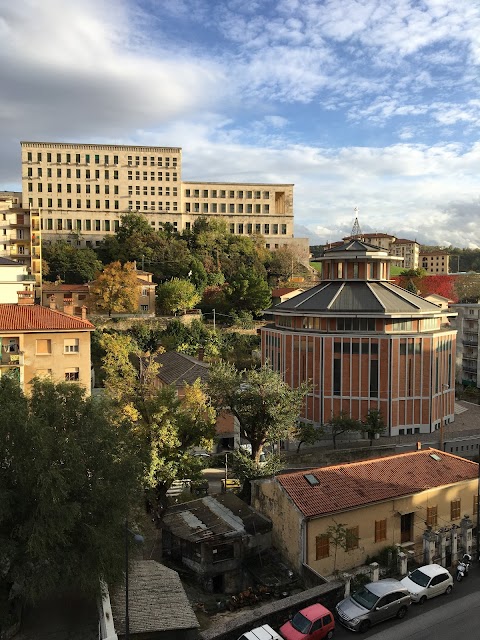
{"x": 408, "y": 251}
{"x": 436, "y": 262}
{"x": 382, "y": 502}
{"x": 39, "y": 342}
{"x": 83, "y": 189}
{"x": 14, "y": 277}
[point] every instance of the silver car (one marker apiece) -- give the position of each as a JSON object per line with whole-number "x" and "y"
{"x": 373, "y": 603}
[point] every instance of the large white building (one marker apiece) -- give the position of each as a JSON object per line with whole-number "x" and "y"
{"x": 83, "y": 189}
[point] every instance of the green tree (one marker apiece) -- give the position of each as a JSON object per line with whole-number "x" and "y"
{"x": 69, "y": 473}
{"x": 70, "y": 264}
{"x": 177, "y": 295}
{"x": 169, "y": 427}
{"x": 266, "y": 407}
{"x": 340, "y": 538}
{"x": 247, "y": 290}
{"x": 374, "y": 424}
{"x": 116, "y": 289}
{"x": 307, "y": 433}
{"x": 341, "y": 424}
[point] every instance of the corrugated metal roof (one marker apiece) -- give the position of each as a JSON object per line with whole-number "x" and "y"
{"x": 356, "y": 296}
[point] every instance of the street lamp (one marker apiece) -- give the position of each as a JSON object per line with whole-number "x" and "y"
{"x": 137, "y": 538}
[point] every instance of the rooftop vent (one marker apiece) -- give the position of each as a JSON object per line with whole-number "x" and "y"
{"x": 435, "y": 457}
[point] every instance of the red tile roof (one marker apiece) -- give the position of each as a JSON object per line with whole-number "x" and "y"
{"x": 14, "y": 317}
{"x": 65, "y": 287}
{"x": 348, "y": 486}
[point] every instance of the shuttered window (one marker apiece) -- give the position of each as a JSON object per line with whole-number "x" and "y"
{"x": 352, "y": 538}
{"x": 322, "y": 544}
{"x": 455, "y": 509}
{"x": 432, "y": 516}
{"x": 380, "y": 530}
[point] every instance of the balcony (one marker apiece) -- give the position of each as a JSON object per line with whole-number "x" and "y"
{"x": 11, "y": 359}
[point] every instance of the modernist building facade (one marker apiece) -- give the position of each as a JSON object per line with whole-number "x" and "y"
{"x": 83, "y": 189}
{"x": 364, "y": 343}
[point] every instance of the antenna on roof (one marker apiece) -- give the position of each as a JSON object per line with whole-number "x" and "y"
{"x": 356, "y": 231}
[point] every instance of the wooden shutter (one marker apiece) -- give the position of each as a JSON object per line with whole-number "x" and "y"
{"x": 380, "y": 530}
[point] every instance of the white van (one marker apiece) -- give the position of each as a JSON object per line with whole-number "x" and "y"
{"x": 264, "y": 632}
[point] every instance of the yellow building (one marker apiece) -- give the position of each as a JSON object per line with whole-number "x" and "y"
{"x": 83, "y": 189}
{"x": 40, "y": 342}
{"x": 381, "y": 502}
{"x": 436, "y": 262}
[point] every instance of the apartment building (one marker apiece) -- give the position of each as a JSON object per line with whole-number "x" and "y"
{"x": 364, "y": 343}
{"x": 409, "y": 250}
{"x": 436, "y": 262}
{"x": 83, "y": 189}
{"x": 40, "y": 342}
{"x": 467, "y": 324}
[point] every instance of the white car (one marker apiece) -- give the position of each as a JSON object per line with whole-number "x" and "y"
{"x": 427, "y": 582}
{"x": 265, "y": 632}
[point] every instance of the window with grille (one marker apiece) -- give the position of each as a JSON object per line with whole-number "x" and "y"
{"x": 432, "y": 516}
{"x": 455, "y": 509}
{"x": 380, "y": 530}
{"x": 351, "y": 540}
{"x": 72, "y": 375}
{"x": 322, "y": 545}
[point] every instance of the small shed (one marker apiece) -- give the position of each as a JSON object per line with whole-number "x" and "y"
{"x": 213, "y": 536}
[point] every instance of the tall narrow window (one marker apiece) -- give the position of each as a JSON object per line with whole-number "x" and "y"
{"x": 432, "y": 517}
{"x": 337, "y": 377}
{"x": 380, "y": 530}
{"x": 322, "y": 546}
{"x": 352, "y": 538}
{"x": 374, "y": 378}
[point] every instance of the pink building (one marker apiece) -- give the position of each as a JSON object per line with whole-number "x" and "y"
{"x": 364, "y": 343}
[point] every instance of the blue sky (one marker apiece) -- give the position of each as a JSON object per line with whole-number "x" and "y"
{"x": 367, "y": 103}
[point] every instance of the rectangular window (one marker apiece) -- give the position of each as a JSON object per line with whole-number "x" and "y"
{"x": 59, "y": 173}
{"x": 380, "y": 530}
{"x": 87, "y": 204}
{"x": 71, "y": 345}
{"x": 49, "y": 157}
{"x": 72, "y": 374}
{"x": 79, "y": 204}
{"x": 352, "y": 538}
{"x": 432, "y": 517}
{"x": 455, "y": 509}
{"x": 106, "y": 159}
{"x": 374, "y": 378}
{"x": 337, "y": 377}
{"x": 475, "y": 505}
{"x": 205, "y": 193}
{"x": 87, "y": 158}
{"x": 88, "y": 225}
{"x": 322, "y": 546}
{"x": 77, "y": 173}
{"x": 44, "y": 347}
{"x": 97, "y": 225}
{"x": 97, "y": 204}
{"x": 266, "y": 229}
{"x": 266, "y": 208}
{"x": 29, "y": 156}
{"x": 59, "y": 157}
{"x": 107, "y": 204}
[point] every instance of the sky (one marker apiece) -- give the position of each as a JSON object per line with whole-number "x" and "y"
{"x": 372, "y": 104}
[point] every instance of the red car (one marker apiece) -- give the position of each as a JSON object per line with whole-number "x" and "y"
{"x": 313, "y": 623}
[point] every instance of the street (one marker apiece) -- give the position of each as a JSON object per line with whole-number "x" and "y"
{"x": 442, "y": 618}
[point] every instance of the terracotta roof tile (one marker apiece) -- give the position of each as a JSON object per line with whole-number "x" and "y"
{"x": 348, "y": 486}
{"x": 65, "y": 287}
{"x": 14, "y": 317}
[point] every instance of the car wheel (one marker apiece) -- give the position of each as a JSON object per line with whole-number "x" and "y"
{"x": 422, "y": 600}
{"x": 329, "y": 635}
{"x": 448, "y": 590}
{"x": 402, "y": 612}
{"x": 364, "y": 626}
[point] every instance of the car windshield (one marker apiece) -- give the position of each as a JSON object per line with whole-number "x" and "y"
{"x": 419, "y": 578}
{"x": 301, "y": 623}
{"x": 365, "y": 598}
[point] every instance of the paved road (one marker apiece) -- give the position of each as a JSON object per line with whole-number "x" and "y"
{"x": 442, "y": 618}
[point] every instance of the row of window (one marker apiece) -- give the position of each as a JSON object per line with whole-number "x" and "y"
{"x": 49, "y": 224}
{"x": 67, "y": 203}
{"x": 159, "y": 161}
{"x": 159, "y": 175}
{"x": 339, "y": 363}
{"x": 322, "y": 542}
{"x": 159, "y": 206}
{"x": 77, "y": 173}
{"x": 249, "y": 228}
{"x": 70, "y": 157}
{"x": 159, "y": 191}
{"x": 214, "y": 207}
{"x": 67, "y": 188}
{"x": 222, "y": 193}
{"x": 44, "y": 346}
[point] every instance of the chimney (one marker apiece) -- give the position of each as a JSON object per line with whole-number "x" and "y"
{"x": 201, "y": 353}
{"x": 84, "y": 312}
{"x": 419, "y": 446}
{"x": 68, "y": 306}
{"x": 26, "y": 298}
{"x": 52, "y": 304}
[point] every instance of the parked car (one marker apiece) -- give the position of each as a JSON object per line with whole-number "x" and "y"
{"x": 373, "y": 603}
{"x": 427, "y": 582}
{"x": 312, "y": 623}
{"x": 265, "y": 632}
